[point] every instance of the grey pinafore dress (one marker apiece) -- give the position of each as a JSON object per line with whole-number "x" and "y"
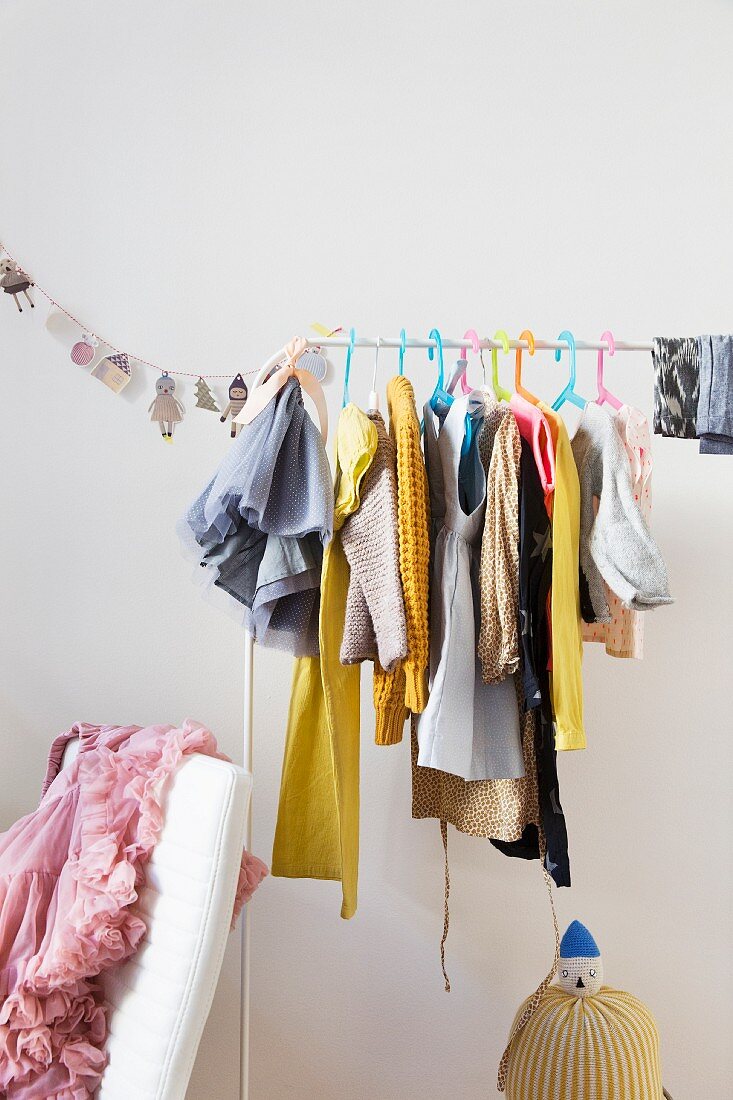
{"x": 469, "y": 728}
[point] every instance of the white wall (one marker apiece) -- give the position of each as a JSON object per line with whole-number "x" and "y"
{"x": 200, "y": 181}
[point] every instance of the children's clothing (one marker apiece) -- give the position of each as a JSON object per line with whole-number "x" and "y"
{"x": 498, "y": 644}
{"x": 715, "y": 404}
{"x": 468, "y": 728}
{"x": 317, "y": 832}
{"x": 489, "y": 808}
{"x": 535, "y": 575}
{"x": 275, "y": 482}
{"x": 375, "y": 627}
{"x": 623, "y": 636}
{"x": 615, "y": 543}
{"x": 534, "y": 427}
{"x": 405, "y": 688}
{"x": 676, "y": 386}
{"x": 413, "y": 528}
{"x": 567, "y": 643}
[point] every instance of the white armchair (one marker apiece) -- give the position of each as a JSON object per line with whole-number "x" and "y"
{"x": 160, "y": 998}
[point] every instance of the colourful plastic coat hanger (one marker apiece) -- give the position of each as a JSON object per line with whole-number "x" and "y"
{"x": 603, "y": 393}
{"x": 373, "y": 395}
{"x": 527, "y": 335}
{"x": 472, "y": 335}
{"x": 439, "y": 393}
{"x": 347, "y": 369}
{"x": 403, "y": 341}
{"x": 568, "y": 394}
{"x": 500, "y": 392}
{"x": 459, "y": 371}
{"x": 262, "y": 394}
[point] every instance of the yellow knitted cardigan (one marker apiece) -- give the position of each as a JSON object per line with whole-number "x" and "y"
{"x": 405, "y": 689}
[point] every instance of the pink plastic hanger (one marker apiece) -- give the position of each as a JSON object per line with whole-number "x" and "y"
{"x": 459, "y": 371}
{"x": 604, "y": 394}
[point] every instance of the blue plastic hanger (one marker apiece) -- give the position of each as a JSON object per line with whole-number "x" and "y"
{"x": 439, "y": 393}
{"x": 347, "y": 371}
{"x": 568, "y": 393}
{"x": 403, "y": 340}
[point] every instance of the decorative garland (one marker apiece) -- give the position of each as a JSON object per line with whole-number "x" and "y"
{"x": 113, "y": 366}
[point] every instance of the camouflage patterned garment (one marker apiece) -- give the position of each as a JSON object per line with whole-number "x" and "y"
{"x": 676, "y": 386}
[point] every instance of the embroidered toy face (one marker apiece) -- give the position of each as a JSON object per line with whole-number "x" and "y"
{"x": 580, "y": 970}
{"x": 7, "y": 266}
{"x": 238, "y": 393}
{"x": 165, "y": 384}
{"x": 581, "y": 977}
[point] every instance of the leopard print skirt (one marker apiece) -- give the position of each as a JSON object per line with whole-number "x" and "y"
{"x": 498, "y": 809}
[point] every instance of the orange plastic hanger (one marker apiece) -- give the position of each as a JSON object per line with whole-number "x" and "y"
{"x": 519, "y": 388}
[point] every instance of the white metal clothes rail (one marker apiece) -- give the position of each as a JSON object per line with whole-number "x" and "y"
{"x": 344, "y": 340}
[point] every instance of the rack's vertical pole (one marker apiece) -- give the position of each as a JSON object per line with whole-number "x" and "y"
{"x": 246, "y": 928}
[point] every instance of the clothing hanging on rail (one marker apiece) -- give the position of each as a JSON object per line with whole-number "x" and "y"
{"x": 473, "y": 561}
{"x": 534, "y": 427}
{"x": 615, "y": 543}
{"x": 468, "y": 728}
{"x": 623, "y": 635}
{"x": 491, "y": 807}
{"x": 375, "y": 627}
{"x": 405, "y": 689}
{"x": 535, "y": 578}
{"x": 500, "y": 446}
{"x": 715, "y": 402}
{"x": 317, "y": 831}
{"x": 566, "y": 681}
{"x": 676, "y": 386}
{"x": 258, "y": 528}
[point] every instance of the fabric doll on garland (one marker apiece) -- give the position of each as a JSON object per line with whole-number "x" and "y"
{"x": 166, "y": 409}
{"x": 237, "y": 398}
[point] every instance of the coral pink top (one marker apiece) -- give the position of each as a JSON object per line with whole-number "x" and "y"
{"x": 533, "y": 427}
{"x": 69, "y": 873}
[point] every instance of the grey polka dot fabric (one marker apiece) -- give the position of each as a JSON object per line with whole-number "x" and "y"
{"x": 259, "y": 527}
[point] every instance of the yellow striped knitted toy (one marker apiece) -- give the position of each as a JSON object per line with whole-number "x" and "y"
{"x": 584, "y": 1041}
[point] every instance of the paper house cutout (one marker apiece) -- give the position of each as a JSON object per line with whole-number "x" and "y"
{"x": 114, "y": 371}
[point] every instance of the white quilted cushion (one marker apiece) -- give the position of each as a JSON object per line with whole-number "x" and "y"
{"x": 161, "y": 997}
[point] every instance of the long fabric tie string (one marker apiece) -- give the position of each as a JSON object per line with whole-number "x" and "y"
{"x": 446, "y": 913}
{"x": 533, "y": 1003}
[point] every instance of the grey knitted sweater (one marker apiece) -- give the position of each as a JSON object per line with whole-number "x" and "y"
{"x": 375, "y": 626}
{"x": 615, "y": 543}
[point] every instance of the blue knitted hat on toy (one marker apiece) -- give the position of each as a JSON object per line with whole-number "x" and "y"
{"x": 577, "y": 943}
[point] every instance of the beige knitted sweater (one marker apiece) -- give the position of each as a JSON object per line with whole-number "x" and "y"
{"x": 375, "y": 627}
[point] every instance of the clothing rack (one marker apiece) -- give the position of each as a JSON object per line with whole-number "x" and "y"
{"x": 345, "y": 340}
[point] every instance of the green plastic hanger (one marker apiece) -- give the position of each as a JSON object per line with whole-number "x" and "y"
{"x": 500, "y": 392}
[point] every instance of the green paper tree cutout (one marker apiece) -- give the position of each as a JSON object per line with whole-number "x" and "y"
{"x": 204, "y": 397}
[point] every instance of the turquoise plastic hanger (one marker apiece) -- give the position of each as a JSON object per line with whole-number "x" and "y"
{"x": 439, "y": 393}
{"x": 403, "y": 339}
{"x": 568, "y": 393}
{"x": 499, "y": 391}
{"x": 347, "y": 371}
